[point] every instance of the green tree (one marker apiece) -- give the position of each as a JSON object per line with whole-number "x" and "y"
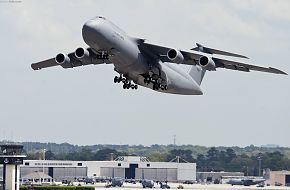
{"x": 230, "y": 155}
{"x": 184, "y": 154}
{"x": 212, "y": 154}
{"x": 105, "y": 154}
{"x": 157, "y": 157}
{"x": 201, "y": 163}
{"x": 49, "y": 155}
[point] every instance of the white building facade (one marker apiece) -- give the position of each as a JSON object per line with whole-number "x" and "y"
{"x": 130, "y": 167}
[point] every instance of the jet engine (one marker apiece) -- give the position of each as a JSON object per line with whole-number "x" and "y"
{"x": 62, "y": 58}
{"x": 175, "y": 56}
{"x": 82, "y": 54}
{"x": 207, "y": 63}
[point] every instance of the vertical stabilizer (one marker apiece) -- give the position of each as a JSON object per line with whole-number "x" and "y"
{"x": 197, "y": 73}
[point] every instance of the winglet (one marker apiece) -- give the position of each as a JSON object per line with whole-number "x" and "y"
{"x": 201, "y": 48}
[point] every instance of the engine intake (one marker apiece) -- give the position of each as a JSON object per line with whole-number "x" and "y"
{"x": 175, "y": 56}
{"x": 207, "y": 63}
{"x": 81, "y": 53}
{"x": 62, "y": 58}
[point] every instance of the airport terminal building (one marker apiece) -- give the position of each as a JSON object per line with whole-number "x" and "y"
{"x": 129, "y": 167}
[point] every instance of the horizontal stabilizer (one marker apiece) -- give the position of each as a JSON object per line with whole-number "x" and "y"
{"x": 201, "y": 48}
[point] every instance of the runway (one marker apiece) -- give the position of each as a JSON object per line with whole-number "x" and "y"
{"x": 128, "y": 186}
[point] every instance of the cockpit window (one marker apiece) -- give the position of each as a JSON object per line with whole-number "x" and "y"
{"x": 101, "y": 17}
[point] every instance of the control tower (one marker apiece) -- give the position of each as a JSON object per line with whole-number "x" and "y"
{"x": 11, "y": 156}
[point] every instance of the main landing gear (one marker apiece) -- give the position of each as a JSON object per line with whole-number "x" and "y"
{"x": 127, "y": 84}
{"x": 156, "y": 83}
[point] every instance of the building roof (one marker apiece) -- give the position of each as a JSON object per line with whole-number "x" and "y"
{"x": 285, "y": 172}
{"x": 132, "y": 159}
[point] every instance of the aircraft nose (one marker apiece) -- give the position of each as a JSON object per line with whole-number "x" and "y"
{"x": 90, "y": 31}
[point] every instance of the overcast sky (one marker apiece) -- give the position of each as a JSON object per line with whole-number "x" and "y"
{"x": 84, "y": 106}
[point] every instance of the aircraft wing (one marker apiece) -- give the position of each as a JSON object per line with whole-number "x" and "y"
{"x": 192, "y": 58}
{"x": 160, "y": 52}
{"x": 245, "y": 67}
{"x": 74, "y": 61}
{"x": 44, "y": 64}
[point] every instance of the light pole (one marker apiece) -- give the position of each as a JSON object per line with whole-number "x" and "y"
{"x": 44, "y": 150}
{"x": 259, "y": 158}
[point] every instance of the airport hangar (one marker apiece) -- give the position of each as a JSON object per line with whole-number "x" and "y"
{"x": 279, "y": 178}
{"x": 127, "y": 167}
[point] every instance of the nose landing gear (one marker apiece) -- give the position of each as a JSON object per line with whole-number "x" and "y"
{"x": 127, "y": 84}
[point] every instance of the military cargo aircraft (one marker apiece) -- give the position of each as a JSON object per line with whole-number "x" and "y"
{"x": 247, "y": 181}
{"x": 160, "y": 68}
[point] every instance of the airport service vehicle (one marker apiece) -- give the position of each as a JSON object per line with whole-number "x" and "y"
{"x": 180, "y": 187}
{"x": 138, "y": 62}
{"x": 164, "y": 186}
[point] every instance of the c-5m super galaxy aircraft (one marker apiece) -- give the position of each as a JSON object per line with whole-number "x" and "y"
{"x": 141, "y": 63}
{"x": 247, "y": 181}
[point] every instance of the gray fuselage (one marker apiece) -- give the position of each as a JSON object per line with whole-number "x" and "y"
{"x": 101, "y": 34}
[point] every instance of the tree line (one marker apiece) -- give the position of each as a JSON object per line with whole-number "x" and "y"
{"x": 228, "y": 160}
{"x": 143, "y": 150}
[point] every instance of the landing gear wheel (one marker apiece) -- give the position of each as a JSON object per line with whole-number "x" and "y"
{"x": 116, "y": 79}
{"x": 147, "y": 80}
{"x": 163, "y": 87}
{"x": 155, "y": 86}
{"x": 119, "y": 79}
{"x": 127, "y": 83}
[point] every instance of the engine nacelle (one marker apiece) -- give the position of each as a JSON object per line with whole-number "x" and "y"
{"x": 207, "y": 63}
{"x": 175, "y": 56}
{"x": 82, "y": 54}
{"x": 62, "y": 58}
